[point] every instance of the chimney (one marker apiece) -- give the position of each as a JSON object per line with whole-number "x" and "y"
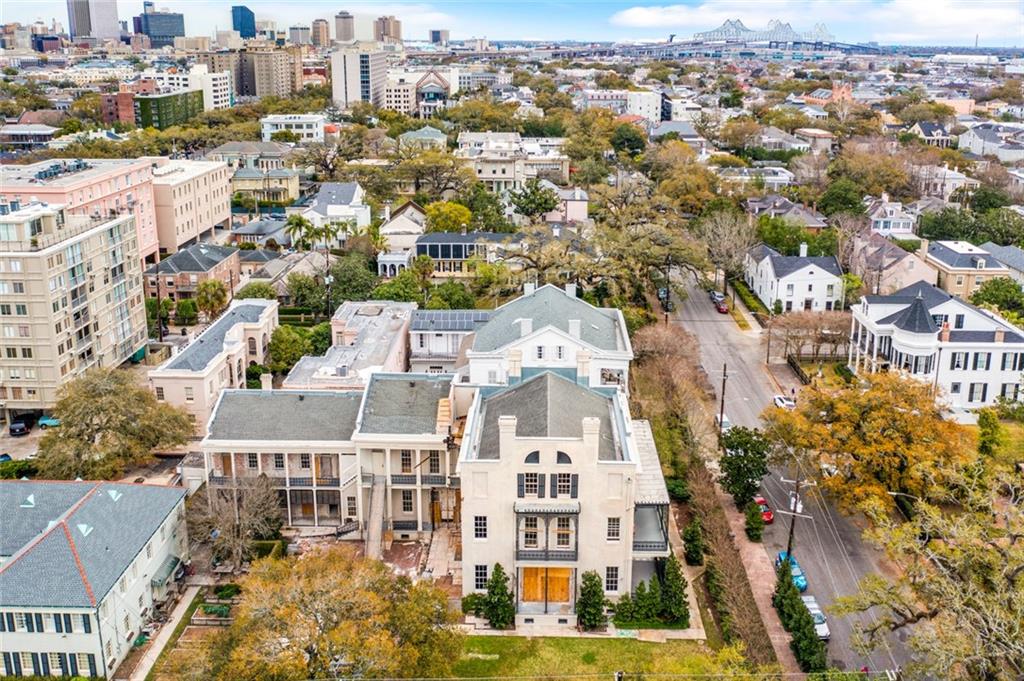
{"x": 1000, "y": 336}
{"x": 583, "y": 367}
{"x": 387, "y": 212}
{"x": 529, "y": 288}
{"x": 574, "y": 328}
{"x": 591, "y": 435}
{"x": 266, "y": 381}
{"x": 570, "y": 290}
{"x": 803, "y": 249}
{"x": 525, "y": 326}
{"x": 944, "y": 334}
{"x": 885, "y": 197}
{"x": 506, "y": 434}
{"x": 922, "y": 250}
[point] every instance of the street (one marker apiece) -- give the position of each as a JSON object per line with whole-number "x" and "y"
{"x": 827, "y": 544}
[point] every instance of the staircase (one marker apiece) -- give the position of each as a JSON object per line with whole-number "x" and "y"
{"x": 375, "y": 526}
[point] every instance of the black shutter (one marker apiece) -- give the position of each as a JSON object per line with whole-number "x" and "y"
{"x": 984, "y": 391}
{"x": 67, "y": 623}
{"x": 57, "y": 624}
{"x": 7, "y": 662}
{"x": 73, "y": 663}
{"x": 521, "y": 483}
{"x": 87, "y": 623}
{"x": 554, "y": 485}
{"x": 10, "y": 622}
{"x": 92, "y": 665}
{"x": 575, "y": 486}
{"x": 39, "y": 622}
{"x": 44, "y": 661}
{"x": 541, "y": 482}
{"x": 63, "y": 657}
{"x": 30, "y": 623}
{"x": 3, "y": 623}
{"x": 16, "y": 658}
{"x": 35, "y": 663}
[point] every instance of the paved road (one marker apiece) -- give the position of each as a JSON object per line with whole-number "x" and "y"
{"x": 828, "y": 546}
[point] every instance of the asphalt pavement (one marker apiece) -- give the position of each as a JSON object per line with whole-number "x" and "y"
{"x": 828, "y": 545}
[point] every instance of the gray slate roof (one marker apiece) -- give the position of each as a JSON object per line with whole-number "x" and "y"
{"x": 916, "y": 319}
{"x": 333, "y": 194}
{"x": 1010, "y": 256}
{"x": 403, "y": 404}
{"x": 931, "y": 295}
{"x": 195, "y": 258}
{"x": 954, "y": 258}
{"x": 547, "y": 405}
{"x": 202, "y": 350}
{"x": 72, "y": 546}
{"x": 550, "y": 306}
{"x": 286, "y": 415}
{"x": 787, "y": 264}
{"x": 448, "y": 320}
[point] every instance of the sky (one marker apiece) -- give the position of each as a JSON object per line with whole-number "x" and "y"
{"x": 998, "y": 23}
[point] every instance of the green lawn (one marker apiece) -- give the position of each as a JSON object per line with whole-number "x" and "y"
{"x": 1012, "y": 450}
{"x": 491, "y": 656}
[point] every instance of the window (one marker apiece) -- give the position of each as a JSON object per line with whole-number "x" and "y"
{"x": 141, "y": 601}
{"x": 958, "y": 360}
{"x": 611, "y": 579}
{"x": 127, "y": 623}
{"x": 830, "y": 290}
{"x": 252, "y": 346}
{"x": 123, "y": 584}
{"x": 563, "y": 531}
{"x": 564, "y": 485}
{"x": 531, "y": 483}
{"x": 530, "y": 532}
{"x": 982, "y": 361}
{"x": 149, "y": 551}
{"x": 406, "y": 459}
{"x": 480, "y": 527}
{"x": 954, "y": 388}
{"x": 55, "y": 665}
{"x": 560, "y": 351}
{"x": 562, "y": 458}
{"x": 540, "y": 352}
{"x": 19, "y": 622}
{"x": 978, "y": 392}
{"x": 789, "y": 289}
{"x": 26, "y": 663}
{"x": 350, "y": 506}
{"x": 480, "y": 577}
{"x": 1010, "y": 391}
{"x": 434, "y": 464}
{"x": 279, "y": 461}
{"x": 614, "y": 529}
{"x": 252, "y": 460}
{"x": 304, "y": 460}
{"x": 959, "y": 280}
{"x": 406, "y": 501}
{"x": 958, "y": 321}
{"x": 532, "y": 457}
{"x": 189, "y": 394}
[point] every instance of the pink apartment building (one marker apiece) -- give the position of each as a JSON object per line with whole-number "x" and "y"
{"x": 102, "y": 187}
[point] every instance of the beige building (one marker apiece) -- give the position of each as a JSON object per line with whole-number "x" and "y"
{"x": 71, "y": 293}
{"x": 962, "y": 267}
{"x": 278, "y": 184}
{"x": 217, "y": 359}
{"x": 267, "y": 73}
{"x": 320, "y": 34}
{"x": 192, "y": 198}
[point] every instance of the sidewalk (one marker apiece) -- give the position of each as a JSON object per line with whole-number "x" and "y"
{"x": 157, "y": 645}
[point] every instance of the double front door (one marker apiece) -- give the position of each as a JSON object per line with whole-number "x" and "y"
{"x": 547, "y": 584}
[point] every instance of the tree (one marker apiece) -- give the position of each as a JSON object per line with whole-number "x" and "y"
{"x": 741, "y": 132}
{"x": 990, "y": 432}
{"x": 165, "y": 306}
{"x": 211, "y": 297}
{"x": 334, "y": 614}
{"x": 451, "y": 295}
{"x": 108, "y": 423}
{"x": 882, "y": 436}
{"x": 693, "y": 541}
{"x": 591, "y": 602}
{"x": 320, "y": 338}
{"x": 843, "y": 195}
{"x": 231, "y": 519}
{"x": 743, "y": 463}
{"x": 499, "y": 606}
{"x": 533, "y": 199}
{"x": 1002, "y": 293}
{"x": 287, "y": 136}
{"x": 447, "y": 216}
{"x": 287, "y": 346}
{"x": 628, "y": 139}
{"x": 301, "y": 231}
{"x": 808, "y": 649}
{"x": 257, "y": 289}
{"x": 754, "y": 526}
{"x": 675, "y": 606}
{"x": 591, "y": 171}
{"x": 305, "y": 291}
{"x": 403, "y": 287}
{"x": 986, "y": 198}
{"x": 353, "y": 279}
{"x": 186, "y": 311}
{"x": 436, "y": 173}
{"x": 488, "y": 212}
{"x": 728, "y": 236}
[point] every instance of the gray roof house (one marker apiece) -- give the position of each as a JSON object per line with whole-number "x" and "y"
{"x": 195, "y": 258}
{"x": 1011, "y": 257}
{"x": 795, "y": 282}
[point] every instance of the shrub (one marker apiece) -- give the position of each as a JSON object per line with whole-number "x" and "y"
{"x": 499, "y": 604}
{"x": 844, "y": 372}
{"x": 186, "y": 311}
{"x": 755, "y": 522}
{"x": 716, "y": 589}
{"x": 473, "y": 604}
{"x": 590, "y": 606}
{"x": 227, "y": 591}
{"x": 675, "y": 608}
{"x": 693, "y": 538}
{"x": 625, "y": 609}
{"x": 216, "y": 609}
{"x": 273, "y": 548}
{"x": 808, "y": 649}
{"x": 678, "y": 489}
{"x": 15, "y": 470}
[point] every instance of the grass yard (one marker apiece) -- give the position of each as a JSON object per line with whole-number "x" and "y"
{"x": 1012, "y": 450}
{"x": 738, "y": 317}
{"x": 491, "y": 656}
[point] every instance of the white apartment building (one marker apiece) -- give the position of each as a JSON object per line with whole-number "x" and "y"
{"x": 550, "y": 328}
{"x": 925, "y": 333}
{"x": 218, "y": 88}
{"x": 342, "y": 204}
{"x": 309, "y": 127}
{"x": 70, "y": 299}
{"x": 550, "y": 491}
{"x": 437, "y": 336}
{"x": 504, "y": 161}
{"x": 635, "y": 103}
{"x": 217, "y": 359}
{"x": 798, "y": 282}
{"x": 358, "y": 76}
{"x": 83, "y": 566}
{"x": 192, "y": 199}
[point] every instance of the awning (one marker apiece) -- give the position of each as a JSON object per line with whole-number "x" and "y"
{"x": 165, "y": 571}
{"x": 549, "y": 508}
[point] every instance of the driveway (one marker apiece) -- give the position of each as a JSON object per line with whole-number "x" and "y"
{"x": 20, "y": 447}
{"x": 828, "y": 545}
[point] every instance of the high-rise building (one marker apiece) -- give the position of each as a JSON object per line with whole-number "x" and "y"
{"x": 358, "y": 76}
{"x": 344, "y": 27}
{"x": 271, "y": 72}
{"x": 299, "y": 35}
{"x": 94, "y": 18}
{"x": 439, "y": 36}
{"x": 321, "y": 33}
{"x": 243, "y": 20}
{"x": 161, "y": 27}
{"x": 387, "y": 30}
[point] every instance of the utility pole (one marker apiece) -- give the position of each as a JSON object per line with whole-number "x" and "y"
{"x": 793, "y": 513}
{"x": 721, "y": 408}
{"x": 768, "y": 352}
{"x": 159, "y": 307}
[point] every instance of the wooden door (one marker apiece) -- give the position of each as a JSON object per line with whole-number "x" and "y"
{"x": 307, "y": 510}
{"x": 558, "y": 584}
{"x": 316, "y": 466}
{"x": 226, "y": 464}
{"x": 533, "y": 584}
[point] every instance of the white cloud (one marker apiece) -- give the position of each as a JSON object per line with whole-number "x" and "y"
{"x": 997, "y": 22}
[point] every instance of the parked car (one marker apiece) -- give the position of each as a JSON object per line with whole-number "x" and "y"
{"x": 21, "y": 425}
{"x": 820, "y": 621}
{"x": 783, "y": 402}
{"x": 723, "y": 423}
{"x": 766, "y": 511}
{"x": 4, "y": 458}
{"x": 716, "y": 296}
{"x": 721, "y": 307}
{"x": 49, "y": 422}
{"x": 797, "y": 572}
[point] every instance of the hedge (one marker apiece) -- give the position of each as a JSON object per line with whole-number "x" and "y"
{"x": 808, "y": 649}
{"x": 274, "y": 548}
{"x": 752, "y": 302}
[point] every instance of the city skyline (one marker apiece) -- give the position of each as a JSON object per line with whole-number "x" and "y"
{"x": 943, "y": 22}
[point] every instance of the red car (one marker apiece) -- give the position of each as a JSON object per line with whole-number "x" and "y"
{"x": 766, "y": 511}
{"x": 721, "y": 307}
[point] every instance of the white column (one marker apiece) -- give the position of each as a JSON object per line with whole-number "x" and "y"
{"x": 419, "y": 510}
{"x": 874, "y": 355}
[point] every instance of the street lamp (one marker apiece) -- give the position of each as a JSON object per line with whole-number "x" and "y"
{"x": 328, "y": 280}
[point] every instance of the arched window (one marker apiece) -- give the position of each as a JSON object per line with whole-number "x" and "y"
{"x": 563, "y": 458}
{"x": 533, "y": 457}
{"x": 252, "y": 346}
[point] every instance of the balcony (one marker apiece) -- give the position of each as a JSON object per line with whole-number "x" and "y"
{"x": 328, "y": 482}
{"x": 403, "y": 478}
{"x": 433, "y": 479}
{"x": 404, "y": 525}
{"x": 301, "y": 482}
{"x": 561, "y": 555}
{"x": 650, "y": 546}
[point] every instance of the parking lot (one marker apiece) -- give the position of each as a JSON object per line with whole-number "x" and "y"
{"x": 20, "y": 447}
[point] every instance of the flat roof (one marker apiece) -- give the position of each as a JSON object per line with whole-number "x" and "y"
{"x": 285, "y": 415}
{"x": 66, "y": 172}
{"x": 177, "y": 171}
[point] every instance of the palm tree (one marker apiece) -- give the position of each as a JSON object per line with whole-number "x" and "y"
{"x": 329, "y": 232}
{"x": 300, "y": 230}
{"x": 211, "y": 297}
